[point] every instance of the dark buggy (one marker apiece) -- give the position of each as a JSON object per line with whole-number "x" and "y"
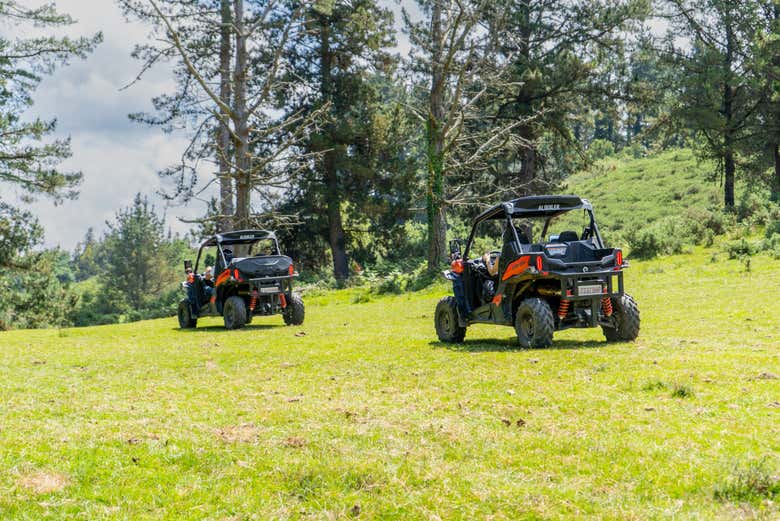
{"x": 255, "y": 279}
{"x": 538, "y": 283}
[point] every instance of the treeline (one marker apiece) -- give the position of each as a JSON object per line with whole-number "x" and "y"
{"x": 316, "y": 126}
{"x": 304, "y": 117}
{"x": 131, "y": 272}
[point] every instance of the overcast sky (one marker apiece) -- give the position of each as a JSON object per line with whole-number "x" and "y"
{"x": 117, "y": 156}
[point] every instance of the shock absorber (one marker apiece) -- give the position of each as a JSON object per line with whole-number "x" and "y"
{"x": 606, "y": 306}
{"x": 563, "y": 308}
{"x": 253, "y": 301}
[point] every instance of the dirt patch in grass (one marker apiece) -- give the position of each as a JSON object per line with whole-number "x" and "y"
{"x": 294, "y": 442}
{"x": 43, "y": 482}
{"x": 244, "y": 433}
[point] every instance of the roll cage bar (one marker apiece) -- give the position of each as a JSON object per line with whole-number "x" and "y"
{"x": 544, "y": 206}
{"x": 238, "y": 237}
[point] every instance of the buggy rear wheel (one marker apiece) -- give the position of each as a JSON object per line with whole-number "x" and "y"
{"x": 534, "y": 323}
{"x": 234, "y": 313}
{"x": 294, "y": 312}
{"x": 185, "y": 315}
{"x": 448, "y": 327}
{"x": 625, "y": 316}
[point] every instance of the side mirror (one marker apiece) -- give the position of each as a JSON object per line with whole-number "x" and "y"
{"x": 187, "y": 266}
{"x": 455, "y": 248}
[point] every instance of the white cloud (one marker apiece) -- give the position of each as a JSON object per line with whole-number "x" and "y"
{"x": 117, "y": 156}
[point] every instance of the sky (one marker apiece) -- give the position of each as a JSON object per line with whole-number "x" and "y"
{"x": 118, "y": 157}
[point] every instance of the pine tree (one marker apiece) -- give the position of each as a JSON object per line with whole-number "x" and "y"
{"x": 715, "y": 94}
{"x": 345, "y": 65}
{"x": 228, "y": 56}
{"x": 27, "y": 161}
{"x": 136, "y": 258}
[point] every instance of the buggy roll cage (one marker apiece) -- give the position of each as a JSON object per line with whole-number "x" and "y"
{"x": 238, "y": 237}
{"x": 545, "y": 206}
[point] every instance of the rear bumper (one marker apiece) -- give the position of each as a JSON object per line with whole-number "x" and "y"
{"x": 611, "y": 281}
{"x": 272, "y": 278}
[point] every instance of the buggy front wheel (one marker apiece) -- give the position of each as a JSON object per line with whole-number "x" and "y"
{"x": 448, "y": 327}
{"x": 185, "y": 315}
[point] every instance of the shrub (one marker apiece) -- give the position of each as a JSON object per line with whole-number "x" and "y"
{"x": 772, "y": 228}
{"x": 755, "y": 209}
{"x": 665, "y": 237}
{"x": 714, "y": 220}
{"x": 749, "y": 483}
{"x": 645, "y": 243}
{"x": 681, "y": 391}
{"x": 600, "y": 148}
{"x": 740, "y": 248}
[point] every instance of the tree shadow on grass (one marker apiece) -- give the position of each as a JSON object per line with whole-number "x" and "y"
{"x": 484, "y": 345}
{"x": 211, "y": 329}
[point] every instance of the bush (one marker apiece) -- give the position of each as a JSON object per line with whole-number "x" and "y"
{"x": 645, "y": 243}
{"x": 701, "y": 220}
{"x": 600, "y": 148}
{"x": 665, "y": 237}
{"x": 751, "y": 482}
{"x": 772, "y": 228}
{"x": 740, "y": 248}
{"x": 670, "y": 235}
{"x": 771, "y": 245}
{"x": 757, "y": 210}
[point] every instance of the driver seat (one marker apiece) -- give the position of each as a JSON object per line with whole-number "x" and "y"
{"x": 568, "y": 236}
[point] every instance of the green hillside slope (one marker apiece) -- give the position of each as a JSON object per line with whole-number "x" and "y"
{"x": 361, "y": 413}
{"x": 629, "y": 193}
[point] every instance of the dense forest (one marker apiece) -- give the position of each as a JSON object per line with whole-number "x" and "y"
{"x": 366, "y": 158}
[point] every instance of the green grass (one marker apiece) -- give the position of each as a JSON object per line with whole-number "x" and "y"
{"x": 361, "y": 413}
{"x": 630, "y": 193}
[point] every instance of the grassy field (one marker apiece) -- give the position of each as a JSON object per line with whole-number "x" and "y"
{"x": 361, "y": 413}
{"x": 628, "y": 193}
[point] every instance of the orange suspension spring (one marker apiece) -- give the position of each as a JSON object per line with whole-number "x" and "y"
{"x": 606, "y": 306}
{"x": 253, "y": 301}
{"x": 563, "y": 309}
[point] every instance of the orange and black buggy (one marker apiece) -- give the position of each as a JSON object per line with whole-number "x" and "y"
{"x": 537, "y": 274}
{"x": 250, "y": 277}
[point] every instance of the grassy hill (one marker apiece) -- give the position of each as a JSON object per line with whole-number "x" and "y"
{"x": 361, "y": 413}
{"x": 635, "y": 192}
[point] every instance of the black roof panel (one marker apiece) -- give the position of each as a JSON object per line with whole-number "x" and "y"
{"x": 238, "y": 237}
{"x": 535, "y": 206}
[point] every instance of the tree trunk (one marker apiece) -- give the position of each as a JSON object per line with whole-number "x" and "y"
{"x": 243, "y": 167}
{"x": 335, "y": 225}
{"x": 226, "y": 206}
{"x": 528, "y": 161}
{"x": 528, "y": 158}
{"x": 332, "y": 185}
{"x": 437, "y": 231}
{"x": 728, "y": 113}
{"x": 776, "y": 177}
{"x": 728, "y": 181}
{"x": 776, "y": 146}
